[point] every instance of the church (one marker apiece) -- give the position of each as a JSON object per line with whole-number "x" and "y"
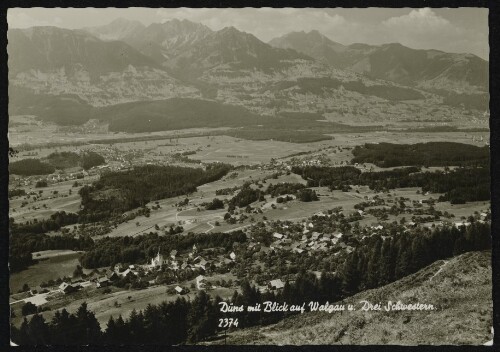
{"x": 158, "y": 261}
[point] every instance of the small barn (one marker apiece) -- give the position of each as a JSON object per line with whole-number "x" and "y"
{"x": 103, "y": 282}
{"x": 67, "y": 288}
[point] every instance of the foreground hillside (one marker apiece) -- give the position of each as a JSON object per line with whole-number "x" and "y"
{"x": 459, "y": 288}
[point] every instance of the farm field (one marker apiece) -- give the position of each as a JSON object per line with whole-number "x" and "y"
{"x": 58, "y": 196}
{"x": 57, "y": 265}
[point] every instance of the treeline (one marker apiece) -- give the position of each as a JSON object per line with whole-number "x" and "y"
{"x": 377, "y": 262}
{"x": 62, "y": 160}
{"x": 226, "y": 191}
{"x": 22, "y": 245}
{"x": 299, "y": 190}
{"x": 29, "y": 237}
{"x": 307, "y": 195}
{"x": 117, "y": 192}
{"x": 334, "y": 177}
{"x": 30, "y": 167}
{"x": 53, "y": 223}
{"x": 424, "y": 154}
{"x": 246, "y": 196}
{"x": 17, "y": 192}
{"x": 215, "y": 204}
{"x": 171, "y": 323}
{"x": 380, "y": 261}
{"x": 90, "y": 159}
{"x": 280, "y": 189}
{"x": 459, "y": 185}
{"x": 136, "y": 250}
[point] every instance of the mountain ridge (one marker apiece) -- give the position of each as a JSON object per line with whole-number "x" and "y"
{"x": 394, "y": 62}
{"x": 184, "y": 59}
{"x": 61, "y": 61}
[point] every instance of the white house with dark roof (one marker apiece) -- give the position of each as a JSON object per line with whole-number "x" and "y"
{"x": 276, "y": 284}
{"x": 277, "y": 235}
{"x": 173, "y": 253}
{"x": 201, "y": 282}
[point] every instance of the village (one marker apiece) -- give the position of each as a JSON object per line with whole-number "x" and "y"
{"x": 281, "y": 234}
{"x": 272, "y": 254}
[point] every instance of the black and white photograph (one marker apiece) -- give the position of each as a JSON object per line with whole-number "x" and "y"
{"x": 249, "y": 176}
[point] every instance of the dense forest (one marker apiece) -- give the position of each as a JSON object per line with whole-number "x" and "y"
{"x": 30, "y": 167}
{"x": 423, "y": 154}
{"x": 334, "y": 177}
{"x": 63, "y": 160}
{"x": 375, "y": 263}
{"x": 459, "y": 185}
{"x": 246, "y": 196}
{"x": 16, "y": 192}
{"x": 175, "y": 114}
{"x": 90, "y": 159}
{"x": 56, "y": 160}
{"x": 63, "y": 109}
{"x": 307, "y": 195}
{"x": 215, "y": 204}
{"x": 117, "y": 192}
{"x": 280, "y": 189}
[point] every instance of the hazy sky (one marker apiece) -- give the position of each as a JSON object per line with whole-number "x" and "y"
{"x": 452, "y": 30}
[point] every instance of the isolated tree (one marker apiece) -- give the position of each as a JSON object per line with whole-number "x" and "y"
{"x": 28, "y": 309}
{"x": 78, "y": 271}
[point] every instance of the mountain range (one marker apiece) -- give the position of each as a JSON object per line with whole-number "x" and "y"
{"x": 126, "y": 61}
{"x": 393, "y": 62}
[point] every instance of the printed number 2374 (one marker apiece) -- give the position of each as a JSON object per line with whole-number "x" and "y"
{"x": 227, "y": 323}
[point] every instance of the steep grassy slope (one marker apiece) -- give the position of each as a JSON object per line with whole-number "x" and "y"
{"x": 459, "y": 288}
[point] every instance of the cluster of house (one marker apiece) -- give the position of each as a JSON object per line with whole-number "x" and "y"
{"x": 70, "y": 287}
{"x": 201, "y": 284}
{"x": 193, "y": 261}
{"x": 173, "y": 262}
{"x": 316, "y": 242}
